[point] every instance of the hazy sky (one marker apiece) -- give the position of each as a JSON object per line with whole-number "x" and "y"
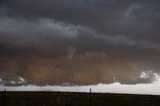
{"x": 79, "y": 42}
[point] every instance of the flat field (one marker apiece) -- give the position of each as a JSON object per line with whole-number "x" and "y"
{"x": 75, "y": 99}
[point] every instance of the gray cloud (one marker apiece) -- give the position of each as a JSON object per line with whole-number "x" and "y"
{"x": 43, "y": 34}
{"x": 105, "y": 16}
{"x": 19, "y": 32}
{"x": 80, "y": 42}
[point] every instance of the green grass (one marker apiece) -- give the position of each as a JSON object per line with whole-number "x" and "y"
{"x": 75, "y": 99}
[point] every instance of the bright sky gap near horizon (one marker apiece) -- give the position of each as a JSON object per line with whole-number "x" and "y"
{"x": 80, "y": 43}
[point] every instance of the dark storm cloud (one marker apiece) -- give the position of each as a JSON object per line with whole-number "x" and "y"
{"x": 20, "y": 33}
{"x": 79, "y": 41}
{"x": 105, "y": 16}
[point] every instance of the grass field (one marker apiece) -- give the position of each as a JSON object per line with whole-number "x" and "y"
{"x": 75, "y": 99}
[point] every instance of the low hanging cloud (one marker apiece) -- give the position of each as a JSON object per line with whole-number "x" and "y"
{"x": 74, "y": 42}
{"x": 47, "y": 32}
{"x": 21, "y": 33}
{"x": 116, "y": 87}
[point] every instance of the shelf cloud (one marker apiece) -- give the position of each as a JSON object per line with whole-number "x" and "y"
{"x": 82, "y": 42}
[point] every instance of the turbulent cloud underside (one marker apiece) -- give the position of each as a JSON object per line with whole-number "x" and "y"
{"x": 79, "y": 42}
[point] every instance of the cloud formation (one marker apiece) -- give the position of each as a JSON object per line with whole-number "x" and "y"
{"x": 79, "y": 42}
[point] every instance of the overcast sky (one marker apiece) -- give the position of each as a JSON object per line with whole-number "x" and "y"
{"x": 79, "y": 42}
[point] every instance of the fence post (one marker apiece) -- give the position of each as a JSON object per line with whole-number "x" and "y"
{"x": 90, "y": 97}
{"x": 4, "y": 97}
